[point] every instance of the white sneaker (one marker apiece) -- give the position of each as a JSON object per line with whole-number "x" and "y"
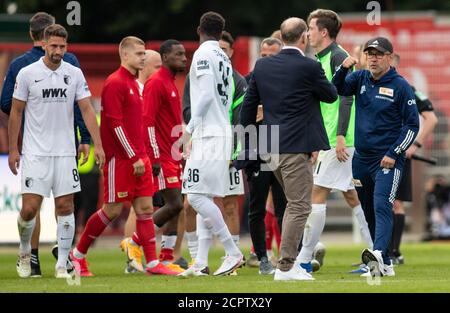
{"x": 61, "y": 272}
{"x": 229, "y": 265}
{"x": 23, "y": 265}
{"x": 195, "y": 270}
{"x": 319, "y": 253}
{"x": 388, "y": 270}
{"x": 295, "y": 273}
{"x": 374, "y": 260}
{"x": 315, "y": 265}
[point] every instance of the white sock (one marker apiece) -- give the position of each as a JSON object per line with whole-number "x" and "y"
{"x": 228, "y": 243}
{"x": 192, "y": 241}
{"x": 204, "y": 234}
{"x": 269, "y": 253}
{"x": 205, "y": 206}
{"x": 363, "y": 227}
{"x": 132, "y": 242}
{"x": 152, "y": 263}
{"x": 313, "y": 229}
{"x": 78, "y": 254}
{"x": 235, "y": 239}
{"x": 25, "y": 232}
{"x": 168, "y": 242}
{"x": 65, "y": 232}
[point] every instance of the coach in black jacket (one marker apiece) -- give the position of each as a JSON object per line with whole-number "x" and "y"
{"x": 290, "y": 86}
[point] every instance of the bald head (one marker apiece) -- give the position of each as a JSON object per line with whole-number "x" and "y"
{"x": 293, "y": 30}
{"x": 152, "y": 64}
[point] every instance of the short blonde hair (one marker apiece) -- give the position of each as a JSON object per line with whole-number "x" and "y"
{"x": 127, "y": 42}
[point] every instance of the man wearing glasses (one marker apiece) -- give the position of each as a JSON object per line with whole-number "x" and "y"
{"x": 386, "y": 124}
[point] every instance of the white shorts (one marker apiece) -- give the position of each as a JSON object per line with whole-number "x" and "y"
{"x": 236, "y": 185}
{"x": 207, "y": 169}
{"x": 42, "y": 174}
{"x": 330, "y": 173}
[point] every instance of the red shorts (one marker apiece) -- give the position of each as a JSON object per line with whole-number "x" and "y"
{"x": 121, "y": 185}
{"x": 169, "y": 177}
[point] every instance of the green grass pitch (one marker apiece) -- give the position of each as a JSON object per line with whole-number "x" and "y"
{"x": 426, "y": 270}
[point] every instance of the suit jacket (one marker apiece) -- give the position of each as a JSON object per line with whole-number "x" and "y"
{"x": 290, "y": 87}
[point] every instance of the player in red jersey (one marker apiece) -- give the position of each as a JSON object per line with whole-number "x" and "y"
{"x": 162, "y": 118}
{"x": 127, "y": 172}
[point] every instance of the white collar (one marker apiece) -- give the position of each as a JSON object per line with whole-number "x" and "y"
{"x": 211, "y": 42}
{"x": 292, "y": 47}
{"x": 48, "y": 71}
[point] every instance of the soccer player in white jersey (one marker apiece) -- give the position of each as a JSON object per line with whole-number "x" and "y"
{"x": 206, "y": 171}
{"x": 46, "y": 91}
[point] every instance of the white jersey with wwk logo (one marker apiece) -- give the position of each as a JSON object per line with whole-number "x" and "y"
{"x": 209, "y": 59}
{"x": 49, "y": 110}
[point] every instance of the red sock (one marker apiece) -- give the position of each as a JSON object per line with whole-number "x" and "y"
{"x": 145, "y": 230}
{"x": 269, "y": 230}
{"x": 166, "y": 255}
{"x": 276, "y": 231}
{"x": 136, "y": 239}
{"x": 94, "y": 227}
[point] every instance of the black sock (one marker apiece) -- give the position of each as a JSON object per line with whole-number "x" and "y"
{"x": 399, "y": 225}
{"x": 35, "y": 257}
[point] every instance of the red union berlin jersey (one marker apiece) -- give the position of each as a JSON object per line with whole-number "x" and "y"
{"x": 121, "y": 125}
{"x": 162, "y": 116}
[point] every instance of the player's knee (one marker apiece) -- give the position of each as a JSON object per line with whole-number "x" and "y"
{"x": 319, "y": 194}
{"x": 351, "y": 197}
{"x": 230, "y": 210}
{"x": 353, "y": 202}
{"x": 176, "y": 206}
{"x": 28, "y": 212}
{"x": 190, "y": 213}
{"x": 64, "y": 208}
{"x": 112, "y": 211}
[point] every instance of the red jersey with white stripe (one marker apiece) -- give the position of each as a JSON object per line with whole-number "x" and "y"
{"x": 162, "y": 116}
{"x": 121, "y": 117}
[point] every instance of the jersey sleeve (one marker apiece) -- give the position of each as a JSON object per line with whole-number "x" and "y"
{"x": 202, "y": 64}
{"x": 346, "y": 85}
{"x": 345, "y": 102}
{"x": 186, "y": 101}
{"x": 206, "y": 97}
{"x": 82, "y": 89}
{"x": 240, "y": 87}
{"x": 7, "y": 90}
{"x": 21, "y": 87}
{"x": 423, "y": 103}
{"x": 152, "y": 104}
{"x": 410, "y": 118}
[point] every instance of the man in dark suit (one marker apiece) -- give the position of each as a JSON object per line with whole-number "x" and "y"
{"x": 290, "y": 86}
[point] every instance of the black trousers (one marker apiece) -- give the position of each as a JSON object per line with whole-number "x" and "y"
{"x": 258, "y": 191}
